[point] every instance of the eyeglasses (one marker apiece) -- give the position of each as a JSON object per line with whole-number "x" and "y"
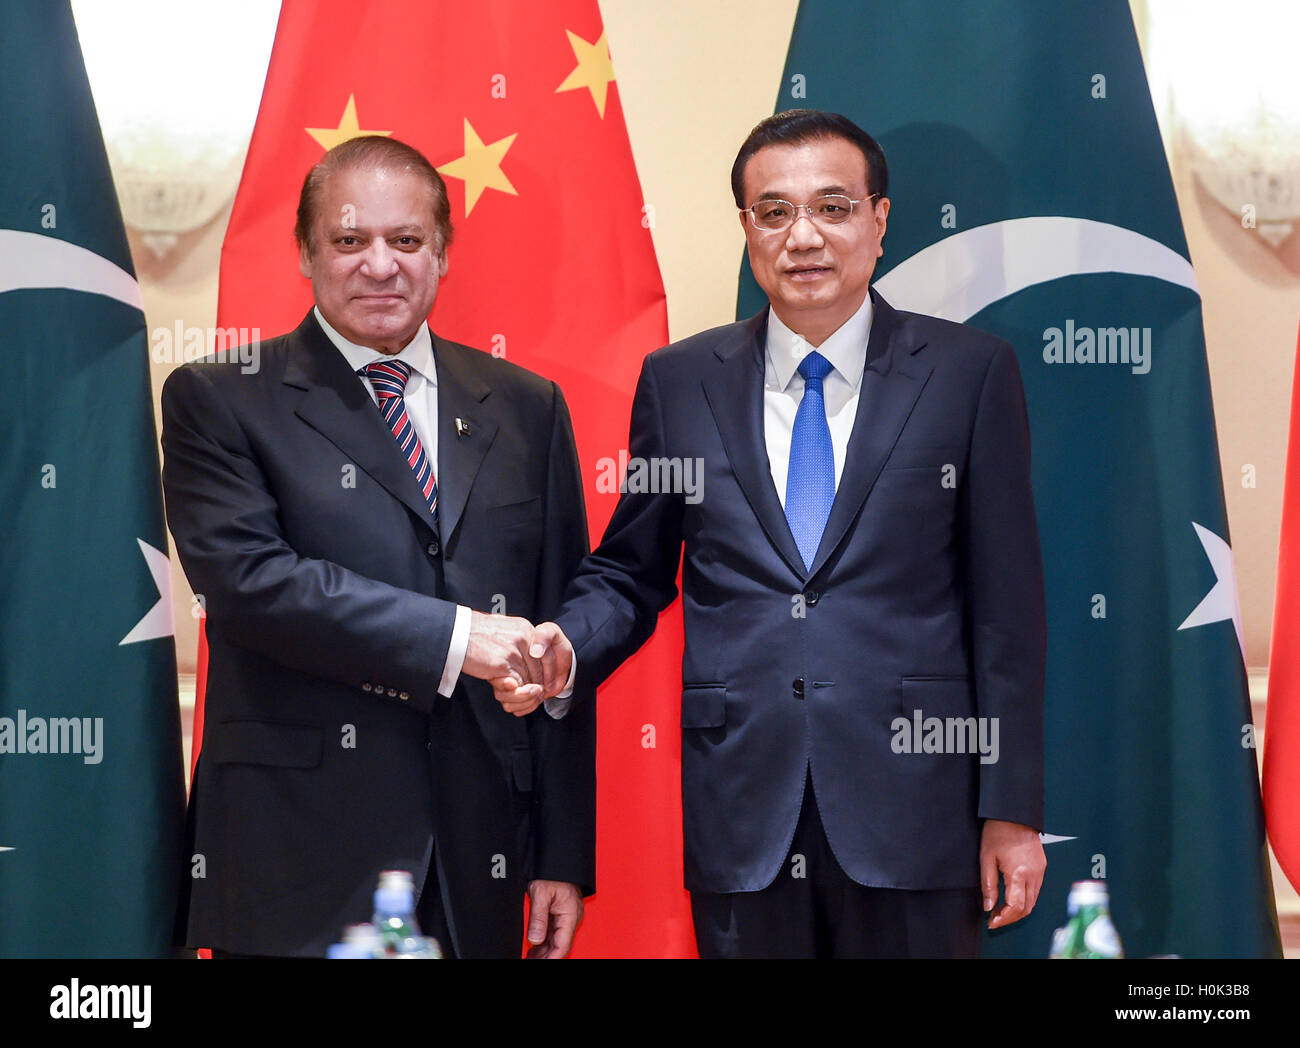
{"x": 773, "y": 216}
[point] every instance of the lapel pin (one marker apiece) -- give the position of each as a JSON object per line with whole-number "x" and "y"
{"x": 462, "y": 428}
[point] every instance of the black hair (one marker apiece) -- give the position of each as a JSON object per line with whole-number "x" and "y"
{"x": 803, "y": 125}
{"x": 376, "y": 151}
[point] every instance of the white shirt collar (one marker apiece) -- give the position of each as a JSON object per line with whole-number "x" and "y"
{"x": 418, "y": 352}
{"x": 846, "y": 349}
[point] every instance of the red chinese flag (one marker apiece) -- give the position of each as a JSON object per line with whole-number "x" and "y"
{"x": 1282, "y": 720}
{"x": 552, "y": 267}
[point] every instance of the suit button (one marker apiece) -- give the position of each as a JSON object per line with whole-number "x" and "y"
{"x": 432, "y": 548}
{"x": 404, "y": 696}
{"x": 366, "y": 687}
{"x": 392, "y": 693}
{"x": 812, "y": 598}
{"x": 798, "y": 687}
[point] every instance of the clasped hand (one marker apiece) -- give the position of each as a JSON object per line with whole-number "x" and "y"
{"x": 525, "y": 664}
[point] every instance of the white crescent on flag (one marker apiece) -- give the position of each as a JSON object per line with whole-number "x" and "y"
{"x": 958, "y": 276}
{"x": 32, "y": 260}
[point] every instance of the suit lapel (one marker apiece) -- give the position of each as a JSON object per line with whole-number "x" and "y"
{"x": 735, "y": 396}
{"x": 463, "y": 395}
{"x": 891, "y": 383}
{"x": 337, "y": 405}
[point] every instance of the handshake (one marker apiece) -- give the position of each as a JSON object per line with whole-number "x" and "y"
{"x": 525, "y": 664}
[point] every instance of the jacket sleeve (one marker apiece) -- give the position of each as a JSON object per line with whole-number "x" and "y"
{"x": 565, "y": 796}
{"x": 311, "y": 615}
{"x": 612, "y": 606}
{"x": 1004, "y": 593}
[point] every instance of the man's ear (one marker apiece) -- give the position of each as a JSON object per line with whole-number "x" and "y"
{"x": 442, "y": 263}
{"x": 881, "y": 219}
{"x": 304, "y": 260}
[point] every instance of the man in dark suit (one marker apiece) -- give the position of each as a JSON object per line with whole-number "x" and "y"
{"x": 340, "y": 510}
{"x": 864, "y": 613}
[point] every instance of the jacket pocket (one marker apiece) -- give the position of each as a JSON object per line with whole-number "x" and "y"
{"x": 925, "y": 458}
{"x": 704, "y": 705}
{"x": 261, "y": 742}
{"x": 521, "y": 767}
{"x": 937, "y": 696}
{"x": 515, "y": 513}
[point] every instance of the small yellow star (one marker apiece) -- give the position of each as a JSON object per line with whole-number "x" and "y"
{"x": 480, "y": 167}
{"x": 329, "y": 137}
{"x": 594, "y": 71}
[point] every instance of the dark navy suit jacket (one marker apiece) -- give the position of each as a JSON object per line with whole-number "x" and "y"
{"x": 926, "y": 594}
{"x": 328, "y": 755}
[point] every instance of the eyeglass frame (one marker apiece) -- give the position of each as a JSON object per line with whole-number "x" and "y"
{"x": 796, "y": 208}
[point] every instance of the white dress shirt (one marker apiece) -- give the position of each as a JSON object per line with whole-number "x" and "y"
{"x": 846, "y": 349}
{"x": 421, "y": 397}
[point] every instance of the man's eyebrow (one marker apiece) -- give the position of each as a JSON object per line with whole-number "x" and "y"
{"x": 358, "y": 230}
{"x": 773, "y": 194}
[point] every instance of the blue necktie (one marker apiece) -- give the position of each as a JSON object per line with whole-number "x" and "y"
{"x": 810, "y": 484}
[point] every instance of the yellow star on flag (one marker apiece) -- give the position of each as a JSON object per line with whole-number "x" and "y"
{"x": 480, "y": 167}
{"x": 594, "y": 71}
{"x": 329, "y": 137}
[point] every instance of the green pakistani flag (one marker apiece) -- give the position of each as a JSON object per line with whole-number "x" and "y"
{"x": 91, "y": 778}
{"x": 1031, "y": 198}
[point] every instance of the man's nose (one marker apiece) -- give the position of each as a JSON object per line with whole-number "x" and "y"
{"x": 803, "y": 232}
{"x": 379, "y": 261}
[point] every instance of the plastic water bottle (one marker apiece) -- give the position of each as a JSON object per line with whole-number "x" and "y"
{"x": 1089, "y": 933}
{"x": 394, "y": 918}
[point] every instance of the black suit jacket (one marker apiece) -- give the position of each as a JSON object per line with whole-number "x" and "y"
{"x": 926, "y": 594}
{"x": 328, "y": 755}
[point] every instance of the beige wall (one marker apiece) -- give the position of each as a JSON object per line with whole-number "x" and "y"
{"x": 1250, "y": 301}
{"x": 693, "y": 77}
{"x": 181, "y": 286}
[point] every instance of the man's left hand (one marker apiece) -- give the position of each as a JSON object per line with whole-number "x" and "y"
{"x": 554, "y": 913}
{"x": 1015, "y": 851}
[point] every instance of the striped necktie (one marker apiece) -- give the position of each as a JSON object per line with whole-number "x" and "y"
{"x": 388, "y": 379}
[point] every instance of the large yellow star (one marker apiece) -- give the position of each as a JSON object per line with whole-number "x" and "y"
{"x": 594, "y": 71}
{"x": 329, "y": 137}
{"x": 480, "y": 167}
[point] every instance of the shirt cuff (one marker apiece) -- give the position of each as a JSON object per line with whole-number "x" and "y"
{"x": 456, "y": 652}
{"x": 558, "y": 706}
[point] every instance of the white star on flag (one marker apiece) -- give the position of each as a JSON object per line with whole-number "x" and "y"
{"x": 1221, "y": 603}
{"x": 157, "y": 621}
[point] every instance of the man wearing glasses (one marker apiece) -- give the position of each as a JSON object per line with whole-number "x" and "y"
{"x": 862, "y": 583}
